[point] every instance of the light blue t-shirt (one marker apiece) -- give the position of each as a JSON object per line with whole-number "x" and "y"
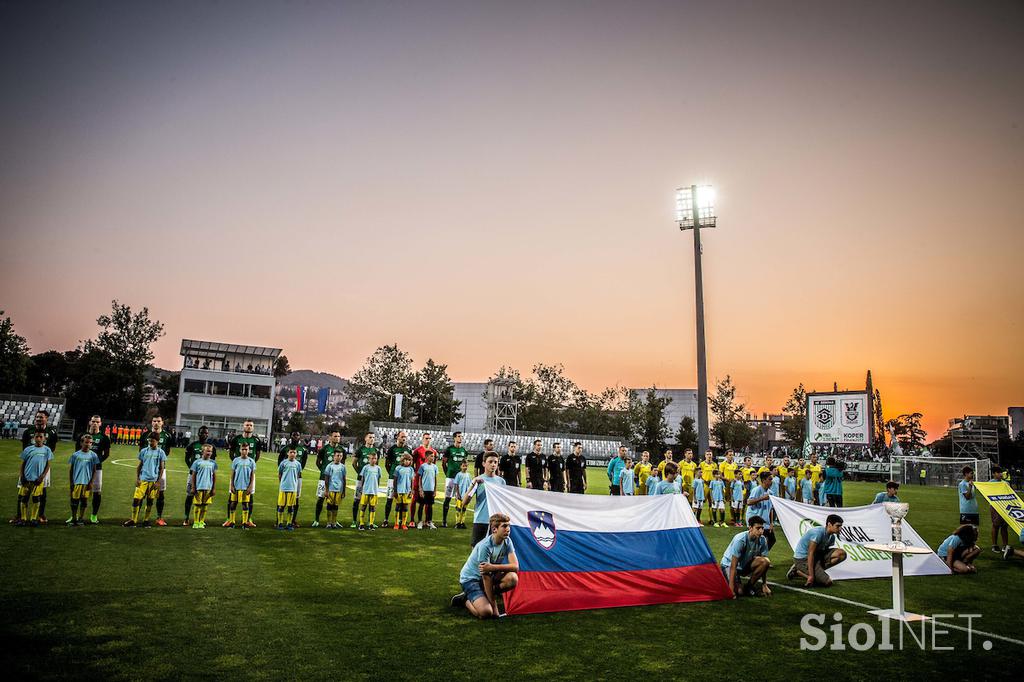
{"x": 463, "y": 481}
{"x": 762, "y": 508}
{"x": 480, "y": 513}
{"x": 953, "y": 542}
{"x": 626, "y": 481}
{"x": 666, "y": 488}
{"x": 151, "y": 459}
{"x": 403, "y": 480}
{"x": 485, "y": 552}
{"x": 242, "y": 469}
{"x": 203, "y": 469}
{"x": 807, "y": 490}
{"x": 967, "y": 506}
{"x": 817, "y": 534}
{"x": 698, "y": 490}
{"x": 821, "y": 495}
{"x": 335, "y": 475}
{"x": 743, "y": 549}
{"x": 371, "y": 479}
{"x": 790, "y": 487}
{"x": 774, "y": 487}
{"x": 83, "y": 465}
{"x": 883, "y": 497}
{"x": 737, "y": 489}
{"x": 717, "y": 490}
{"x": 289, "y": 470}
{"x": 652, "y": 485}
{"x": 428, "y": 477}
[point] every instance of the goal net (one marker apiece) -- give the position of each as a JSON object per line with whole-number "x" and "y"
{"x": 911, "y": 470}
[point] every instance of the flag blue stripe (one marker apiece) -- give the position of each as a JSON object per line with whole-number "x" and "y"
{"x": 634, "y": 551}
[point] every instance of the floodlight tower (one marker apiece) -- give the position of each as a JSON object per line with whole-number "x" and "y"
{"x": 695, "y": 208}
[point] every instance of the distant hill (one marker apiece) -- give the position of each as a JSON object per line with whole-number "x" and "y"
{"x": 308, "y": 377}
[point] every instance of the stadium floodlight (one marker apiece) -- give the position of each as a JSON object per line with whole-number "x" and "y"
{"x": 695, "y": 208}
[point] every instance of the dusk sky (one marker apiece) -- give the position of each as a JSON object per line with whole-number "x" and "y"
{"x": 492, "y": 183}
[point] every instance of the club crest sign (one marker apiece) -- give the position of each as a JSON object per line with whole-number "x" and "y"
{"x": 853, "y": 415}
{"x": 825, "y": 414}
{"x": 542, "y": 527}
{"x": 840, "y": 418}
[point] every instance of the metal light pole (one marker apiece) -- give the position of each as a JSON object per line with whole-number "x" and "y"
{"x": 694, "y": 210}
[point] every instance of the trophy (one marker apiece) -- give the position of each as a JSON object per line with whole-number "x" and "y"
{"x": 896, "y": 511}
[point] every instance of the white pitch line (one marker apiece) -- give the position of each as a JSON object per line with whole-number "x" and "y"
{"x": 868, "y": 607}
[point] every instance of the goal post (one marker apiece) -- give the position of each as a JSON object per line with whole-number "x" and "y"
{"x": 945, "y": 471}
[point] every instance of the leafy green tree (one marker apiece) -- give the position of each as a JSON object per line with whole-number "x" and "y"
{"x": 297, "y": 422}
{"x": 432, "y": 396}
{"x": 729, "y": 428}
{"x": 14, "y": 358}
{"x": 48, "y": 374}
{"x": 386, "y": 372}
{"x": 686, "y": 437}
{"x": 281, "y": 367}
{"x": 648, "y": 429}
{"x": 794, "y": 422}
{"x": 97, "y": 385}
{"x": 907, "y": 428}
{"x": 127, "y": 337}
{"x": 167, "y": 386}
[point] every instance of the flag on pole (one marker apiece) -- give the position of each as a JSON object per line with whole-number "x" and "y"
{"x": 595, "y": 551}
{"x": 298, "y": 398}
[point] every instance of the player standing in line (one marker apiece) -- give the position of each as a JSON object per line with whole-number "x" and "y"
{"x": 728, "y": 469}
{"x": 165, "y": 442}
{"x": 419, "y": 457}
{"x": 708, "y": 467}
{"x": 790, "y": 484}
{"x": 816, "y": 478}
{"x": 759, "y": 503}
{"x": 687, "y": 469}
{"x": 478, "y": 463}
{"x": 784, "y": 468}
{"x": 249, "y": 436}
{"x": 334, "y": 473}
{"x": 101, "y": 446}
{"x": 359, "y": 462}
{"x": 370, "y": 475}
{"x": 203, "y": 473}
{"x": 463, "y": 482}
{"x": 737, "y": 491}
{"x": 536, "y": 467}
{"x": 747, "y": 557}
{"x": 403, "y": 491}
{"x": 81, "y": 469}
{"x": 748, "y": 472}
{"x": 194, "y": 452}
{"x": 717, "y": 500}
{"x": 698, "y": 498}
{"x": 35, "y": 466}
{"x": 556, "y": 469}
{"x": 392, "y": 460}
{"x": 510, "y": 466}
{"x": 807, "y": 488}
{"x": 614, "y": 470}
{"x": 325, "y": 457}
{"x": 968, "y": 498}
{"x": 40, "y": 424}
{"x": 148, "y": 475}
{"x": 480, "y": 483}
{"x": 626, "y": 484}
{"x": 451, "y": 461}
{"x": 243, "y": 476}
{"x": 641, "y": 472}
{"x": 289, "y": 473}
{"x": 576, "y": 470}
{"x": 428, "y": 488}
{"x": 800, "y": 469}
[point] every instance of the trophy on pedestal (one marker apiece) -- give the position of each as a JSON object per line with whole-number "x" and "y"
{"x": 896, "y": 511}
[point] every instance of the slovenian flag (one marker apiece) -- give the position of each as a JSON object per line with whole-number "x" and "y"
{"x": 595, "y": 551}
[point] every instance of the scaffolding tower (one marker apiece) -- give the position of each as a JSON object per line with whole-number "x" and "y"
{"x": 502, "y": 405}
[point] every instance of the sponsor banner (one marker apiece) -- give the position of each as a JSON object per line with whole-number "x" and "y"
{"x": 838, "y": 418}
{"x": 1006, "y": 502}
{"x": 597, "y": 551}
{"x": 861, "y": 525}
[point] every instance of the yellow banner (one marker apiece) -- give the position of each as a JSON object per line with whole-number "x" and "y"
{"x": 1006, "y": 502}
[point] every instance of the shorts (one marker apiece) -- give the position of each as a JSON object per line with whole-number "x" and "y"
{"x": 146, "y": 490}
{"x": 737, "y": 504}
{"x": 240, "y": 497}
{"x": 202, "y": 496}
{"x": 30, "y": 491}
{"x": 97, "y": 481}
{"x": 973, "y": 519}
{"x": 450, "y": 489}
{"x": 474, "y": 589}
{"x": 741, "y": 572}
{"x": 80, "y": 491}
{"x": 321, "y": 489}
{"x": 391, "y": 489}
{"x": 718, "y": 505}
{"x": 367, "y": 500}
{"x": 286, "y": 498}
{"x": 333, "y": 499}
{"x": 403, "y": 498}
{"x": 428, "y": 497}
{"x": 163, "y": 480}
{"x": 697, "y": 504}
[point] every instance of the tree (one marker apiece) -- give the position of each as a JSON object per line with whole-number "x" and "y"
{"x": 167, "y": 387}
{"x": 645, "y": 419}
{"x": 297, "y": 422}
{"x": 686, "y": 438}
{"x": 794, "y": 412}
{"x": 907, "y": 428}
{"x": 544, "y": 398}
{"x": 281, "y": 367}
{"x": 127, "y": 338}
{"x": 13, "y": 357}
{"x": 386, "y": 372}
{"x": 96, "y": 385}
{"x": 879, "y": 441}
{"x": 730, "y": 428}
{"x": 432, "y": 396}
{"x": 48, "y": 374}
{"x": 601, "y": 414}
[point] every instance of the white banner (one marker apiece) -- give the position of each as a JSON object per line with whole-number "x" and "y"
{"x": 838, "y": 418}
{"x": 860, "y": 525}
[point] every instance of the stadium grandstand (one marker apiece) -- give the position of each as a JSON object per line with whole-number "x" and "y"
{"x": 597, "y": 449}
{"x": 18, "y": 413}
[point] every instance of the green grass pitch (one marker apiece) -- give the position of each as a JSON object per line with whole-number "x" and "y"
{"x": 313, "y": 604}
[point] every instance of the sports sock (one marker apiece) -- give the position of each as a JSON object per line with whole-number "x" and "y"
{"x": 444, "y": 510}
{"x": 245, "y": 512}
{"x": 160, "y": 504}
{"x": 295, "y": 511}
{"x": 280, "y": 516}
{"x": 355, "y": 510}
{"x": 319, "y": 508}
{"x": 136, "y": 508}
{"x": 96, "y": 503}
{"x": 149, "y": 510}
{"x": 188, "y": 507}
{"x": 42, "y": 505}
{"x": 288, "y": 514}
{"x": 387, "y": 510}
